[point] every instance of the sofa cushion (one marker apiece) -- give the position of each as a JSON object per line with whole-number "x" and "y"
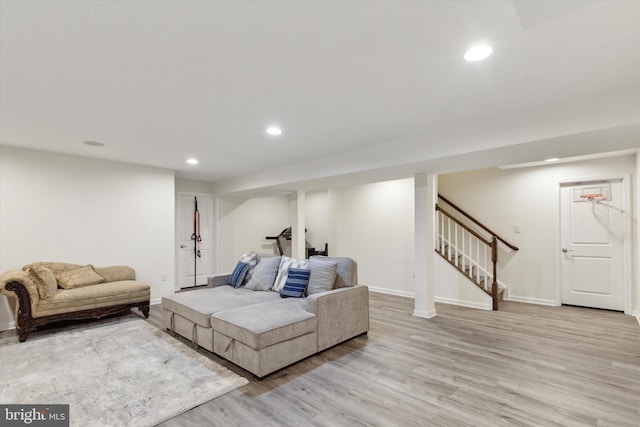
{"x": 322, "y": 277}
{"x": 265, "y": 324}
{"x": 264, "y": 275}
{"x": 346, "y": 271}
{"x": 44, "y": 280}
{"x": 86, "y": 297}
{"x": 238, "y": 275}
{"x": 283, "y": 269}
{"x": 198, "y": 305}
{"x": 83, "y": 276}
{"x": 296, "y": 284}
{"x": 116, "y": 273}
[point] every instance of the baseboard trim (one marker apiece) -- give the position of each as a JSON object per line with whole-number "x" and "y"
{"x": 392, "y": 292}
{"x": 7, "y": 326}
{"x": 463, "y": 303}
{"x": 637, "y": 314}
{"x": 429, "y": 314}
{"x": 155, "y": 301}
{"x": 470, "y": 304}
{"x": 539, "y": 301}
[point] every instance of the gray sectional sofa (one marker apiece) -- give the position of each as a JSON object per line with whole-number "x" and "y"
{"x": 253, "y": 326}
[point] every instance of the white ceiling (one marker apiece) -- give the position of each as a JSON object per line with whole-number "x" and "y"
{"x": 373, "y": 89}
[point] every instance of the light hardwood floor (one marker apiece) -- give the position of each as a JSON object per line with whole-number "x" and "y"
{"x": 524, "y": 365}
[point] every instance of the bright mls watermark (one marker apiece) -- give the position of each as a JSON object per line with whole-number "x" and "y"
{"x": 34, "y": 415}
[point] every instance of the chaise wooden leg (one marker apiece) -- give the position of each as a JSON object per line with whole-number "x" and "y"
{"x": 144, "y": 308}
{"x": 24, "y": 333}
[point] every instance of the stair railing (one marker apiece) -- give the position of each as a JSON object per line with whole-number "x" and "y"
{"x": 467, "y": 250}
{"x": 476, "y": 222}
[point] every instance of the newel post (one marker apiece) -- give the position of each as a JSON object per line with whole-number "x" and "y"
{"x": 494, "y": 261}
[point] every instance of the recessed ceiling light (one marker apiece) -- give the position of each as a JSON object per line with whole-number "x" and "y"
{"x": 478, "y": 52}
{"x": 552, "y": 159}
{"x": 192, "y": 161}
{"x": 93, "y": 143}
{"x": 273, "y": 130}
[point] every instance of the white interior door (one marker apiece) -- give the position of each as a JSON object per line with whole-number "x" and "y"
{"x": 592, "y": 237}
{"x": 194, "y": 270}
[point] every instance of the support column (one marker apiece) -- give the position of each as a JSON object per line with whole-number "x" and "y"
{"x": 298, "y": 242}
{"x": 426, "y": 196}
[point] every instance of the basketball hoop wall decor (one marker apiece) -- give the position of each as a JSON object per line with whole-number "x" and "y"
{"x": 594, "y": 197}
{"x": 593, "y": 193}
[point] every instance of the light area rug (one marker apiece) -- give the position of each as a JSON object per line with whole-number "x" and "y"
{"x": 127, "y": 373}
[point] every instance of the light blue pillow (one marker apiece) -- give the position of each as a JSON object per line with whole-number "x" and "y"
{"x": 346, "y": 272}
{"x": 237, "y": 277}
{"x": 323, "y": 276}
{"x": 264, "y": 274}
{"x": 296, "y": 284}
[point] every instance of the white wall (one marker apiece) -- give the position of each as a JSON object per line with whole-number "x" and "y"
{"x": 56, "y": 207}
{"x": 451, "y": 287}
{"x": 243, "y": 224}
{"x": 317, "y": 219}
{"x": 192, "y": 186}
{"x": 528, "y": 197}
{"x": 373, "y": 224}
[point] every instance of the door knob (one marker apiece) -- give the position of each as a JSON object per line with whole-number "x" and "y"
{"x": 182, "y": 246}
{"x": 565, "y": 250}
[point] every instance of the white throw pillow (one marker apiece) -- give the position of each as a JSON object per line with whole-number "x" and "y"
{"x": 251, "y": 259}
{"x": 283, "y": 269}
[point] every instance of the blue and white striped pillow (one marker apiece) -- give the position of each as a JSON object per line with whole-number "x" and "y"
{"x": 296, "y": 284}
{"x": 283, "y": 269}
{"x": 237, "y": 277}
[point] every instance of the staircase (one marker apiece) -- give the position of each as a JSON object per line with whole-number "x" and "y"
{"x": 470, "y": 247}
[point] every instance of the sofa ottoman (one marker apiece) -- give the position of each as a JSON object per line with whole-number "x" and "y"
{"x": 258, "y": 330}
{"x": 266, "y": 337}
{"x": 188, "y": 313}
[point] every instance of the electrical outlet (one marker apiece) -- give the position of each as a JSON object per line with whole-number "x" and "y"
{"x": 163, "y": 277}
{"x": 517, "y": 229}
